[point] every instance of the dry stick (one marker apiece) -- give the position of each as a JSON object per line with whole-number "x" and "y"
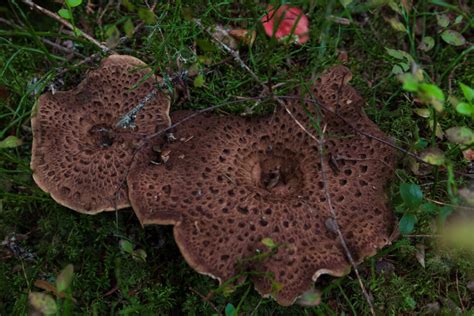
{"x": 333, "y": 225}
{"x": 320, "y": 142}
{"x": 53, "y": 15}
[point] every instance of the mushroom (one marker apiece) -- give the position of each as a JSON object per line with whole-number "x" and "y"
{"x": 231, "y": 183}
{"x": 80, "y": 154}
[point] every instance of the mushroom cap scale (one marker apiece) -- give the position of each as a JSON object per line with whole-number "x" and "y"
{"x": 79, "y": 155}
{"x": 230, "y": 182}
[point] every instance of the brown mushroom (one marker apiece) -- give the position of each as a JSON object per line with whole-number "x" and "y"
{"x": 80, "y": 155}
{"x": 231, "y": 182}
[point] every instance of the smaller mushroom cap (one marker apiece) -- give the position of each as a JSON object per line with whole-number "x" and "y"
{"x": 79, "y": 155}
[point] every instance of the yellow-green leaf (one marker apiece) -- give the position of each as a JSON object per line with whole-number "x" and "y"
{"x": 269, "y": 243}
{"x": 426, "y": 44}
{"x": 453, "y": 38}
{"x": 43, "y": 303}
{"x": 310, "y": 298}
{"x": 465, "y": 108}
{"x": 443, "y": 20}
{"x": 146, "y": 16}
{"x": 460, "y": 135}
{"x": 199, "y": 81}
{"x": 64, "y": 279}
{"x": 128, "y": 28}
{"x": 433, "y": 156}
{"x": 423, "y": 112}
{"x": 397, "y": 25}
{"x": 10, "y": 142}
{"x": 64, "y": 13}
{"x": 467, "y": 91}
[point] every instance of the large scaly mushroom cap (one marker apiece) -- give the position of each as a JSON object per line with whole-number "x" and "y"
{"x": 79, "y": 154}
{"x": 230, "y": 182}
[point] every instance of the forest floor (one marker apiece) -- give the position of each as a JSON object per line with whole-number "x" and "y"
{"x": 377, "y": 40}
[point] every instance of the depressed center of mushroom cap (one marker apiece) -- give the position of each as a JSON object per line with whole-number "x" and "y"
{"x": 102, "y": 135}
{"x": 277, "y": 173}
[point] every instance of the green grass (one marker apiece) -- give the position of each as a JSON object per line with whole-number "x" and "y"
{"x": 109, "y": 281}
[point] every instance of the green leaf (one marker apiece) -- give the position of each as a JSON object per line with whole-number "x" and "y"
{"x": 432, "y": 90}
{"x": 442, "y": 20}
{"x": 399, "y": 54}
{"x": 423, "y": 112}
{"x": 433, "y": 156}
{"x": 409, "y": 82}
{"x": 128, "y": 5}
{"x": 63, "y": 281}
{"x": 429, "y": 208}
{"x": 310, "y": 298}
{"x": 397, "y": 70}
{"x": 146, "y": 16}
{"x": 10, "y": 142}
{"x": 407, "y": 223}
{"x": 230, "y": 310}
{"x": 460, "y": 135}
{"x": 397, "y": 25}
{"x": 126, "y": 246}
{"x": 411, "y": 195}
{"x": 64, "y": 13}
{"x": 43, "y": 303}
{"x": 467, "y": 91}
{"x": 139, "y": 255}
{"x": 199, "y": 81}
{"x": 453, "y": 38}
{"x": 345, "y": 3}
{"x": 128, "y": 28}
{"x": 269, "y": 243}
{"x": 74, "y": 3}
{"x": 432, "y": 94}
{"x": 465, "y": 108}
{"x": 458, "y": 19}
{"x": 426, "y": 44}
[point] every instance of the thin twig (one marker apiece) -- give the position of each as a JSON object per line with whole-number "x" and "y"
{"x": 332, "y": 224}
{"x": 229, "y": 50}
{"x": 53, "y": 15}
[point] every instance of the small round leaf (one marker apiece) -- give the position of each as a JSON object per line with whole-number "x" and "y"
{"x": 64, "y": 13}
{"x": 460, "y": 135}
{"x": 411, "y": 195}
{"x": 453, "y": 38}
{"x": 407, "y": 223}
{"x": 74, "y": 3}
